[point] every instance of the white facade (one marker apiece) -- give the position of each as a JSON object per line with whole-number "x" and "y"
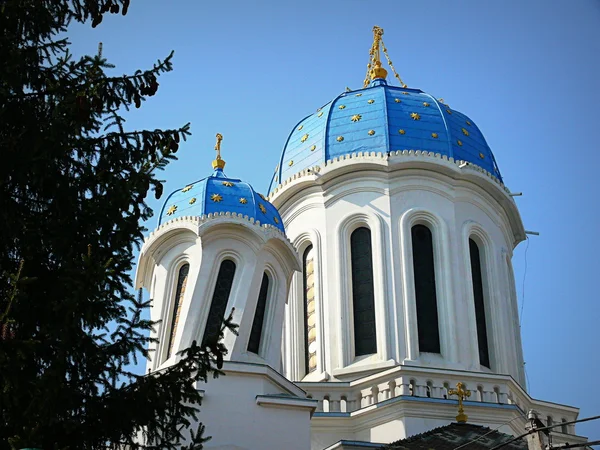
{"x": 251, "y": 393}
{"x": 394, "y": 392}
{"x": 398, "y": 391}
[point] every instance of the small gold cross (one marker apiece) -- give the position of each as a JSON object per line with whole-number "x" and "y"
{"x": 461, "y": 393}
{"x": 218, "y": 145}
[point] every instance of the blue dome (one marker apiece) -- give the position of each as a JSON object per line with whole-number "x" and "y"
{"x": 382, "y": 118}
{"x": 216, "y": 194}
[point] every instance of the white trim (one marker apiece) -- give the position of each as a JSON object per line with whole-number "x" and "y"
{"x": 203, "y": 311}
{"x": 345, "y": 324}
{"x": 443, "y": 271}
{"x": 492, "y": 304}
{"x": 266, "y": 333}
{"x": 168, "y": 309}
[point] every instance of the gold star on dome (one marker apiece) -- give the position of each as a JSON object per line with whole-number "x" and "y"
{"x": 371, "y": 132}
{"x": 320, "y": 114}
{"x": 465, "y": 132}
{"x": 459, "y": 142}
{"x": 171, "y": 210}
{"x": 397, "y": 100}
{"x": 340, "y": 138}
{"x": 358, "y": 95}
{"x": 425, "y": 104}
{"x": 216, "y": 198}
{"x": 448, "y": 111}
{"x": 468, "y": 123}
{"x": 275, "y": 219}
{"x": 313, "y": 148}
{"x": 192, "y": 200}
{"x": 291, "y": 163}
{"x": 401, "y": 131}
{"x": 434, "y": 135}
{"x": 300, "y": 127}
{"x": 304, "y": 138}
{"x": 370, "y": 101}
{"x": 342, "y": 107}
{"x": 356, "y": 118}
{"x": 261, "y": 196}
{"x": 406, "y": 93}
{"x": 481, "y": 155}
{"x": 187, "y": 188}
{"x": 262, "y": 208}
{"x": 415, "y": 116}
{"x": 227, "y": 183}
{"x": 243, "y": 201}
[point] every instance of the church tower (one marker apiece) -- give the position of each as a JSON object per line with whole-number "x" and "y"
{"x": 220, "y": 247}
{"x": 372, "y": 289}
{"x": 405, "y": 231}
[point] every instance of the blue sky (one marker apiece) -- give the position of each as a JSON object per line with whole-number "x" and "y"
{"x": 525, "y": 72}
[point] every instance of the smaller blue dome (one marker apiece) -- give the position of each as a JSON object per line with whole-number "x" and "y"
{"x": 218, "y": 193}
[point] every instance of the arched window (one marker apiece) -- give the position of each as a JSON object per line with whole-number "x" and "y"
{"x": 478, "y": 296}
{"x": 425, "y": 291}
{"x": 363, "y": 298}
{"x": 259, "y": 316}
{"x": 178, "y": 300}
{"x": 310, "y": 316}
{"x": 219, "y": 301}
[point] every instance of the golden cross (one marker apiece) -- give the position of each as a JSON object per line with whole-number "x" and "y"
{"x": 218, "y": 145}
{"x": 462, "y": 393}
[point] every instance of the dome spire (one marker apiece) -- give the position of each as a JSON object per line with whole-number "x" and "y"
{"x": 374, "y": 69}
{"x": 218, "y": 163}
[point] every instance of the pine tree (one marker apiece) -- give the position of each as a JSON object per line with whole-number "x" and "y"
{"x": 73, "y": 183}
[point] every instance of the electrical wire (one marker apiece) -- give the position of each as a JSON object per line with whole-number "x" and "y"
{"x": 584, "y": 444}
{"x": 491, "y": 431}
{"x": 549, "y": 427}
{"x": 523, "y": 285}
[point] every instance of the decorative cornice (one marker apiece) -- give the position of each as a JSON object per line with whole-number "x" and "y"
{"x": 397, "y": 162}
{"x": 381, "y": 158}
{"x": 267, "y": 230}
{"x": 200, "y": 226}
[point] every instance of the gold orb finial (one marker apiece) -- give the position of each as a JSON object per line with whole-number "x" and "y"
{"x": 461, "y": 393}
{"x": 218, "y": 163}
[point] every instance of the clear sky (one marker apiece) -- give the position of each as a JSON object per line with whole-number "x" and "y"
{"x": 525, "y": 71}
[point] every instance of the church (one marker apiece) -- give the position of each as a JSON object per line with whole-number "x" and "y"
{"x": 372, "y": 284}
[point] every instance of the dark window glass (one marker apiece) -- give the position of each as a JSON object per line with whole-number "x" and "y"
{"x": 482, "y": 340}
{"x": 425, "y": 292}
{"x": 179, "y": 292}
{"x": 259, "y": 316}
{"x": 216, "y": 314}
{"x": 363, "y": 298}
{"x": 309, "y": 301}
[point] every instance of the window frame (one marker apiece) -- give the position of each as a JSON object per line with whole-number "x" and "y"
{"x": 353, "y": 307}
{"x": 232, "y": 289}
{"x": 265, "y": 314}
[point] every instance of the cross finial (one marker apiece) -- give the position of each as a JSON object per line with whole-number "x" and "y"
{"x": 218, "y": 163}
{"x": 374, "y": 69}
{"x": 461, "y": 393}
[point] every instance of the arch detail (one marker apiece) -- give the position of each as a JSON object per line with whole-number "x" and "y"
{"x": 444, "y": 286}
{"x": 345, "y": 321}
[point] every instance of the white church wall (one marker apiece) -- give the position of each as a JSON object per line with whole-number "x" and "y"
{"x": 389, "y": 206}
{"x": 236, "y": 418}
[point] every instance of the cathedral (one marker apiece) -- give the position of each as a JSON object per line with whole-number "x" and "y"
{"x": 372, "y": 284}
